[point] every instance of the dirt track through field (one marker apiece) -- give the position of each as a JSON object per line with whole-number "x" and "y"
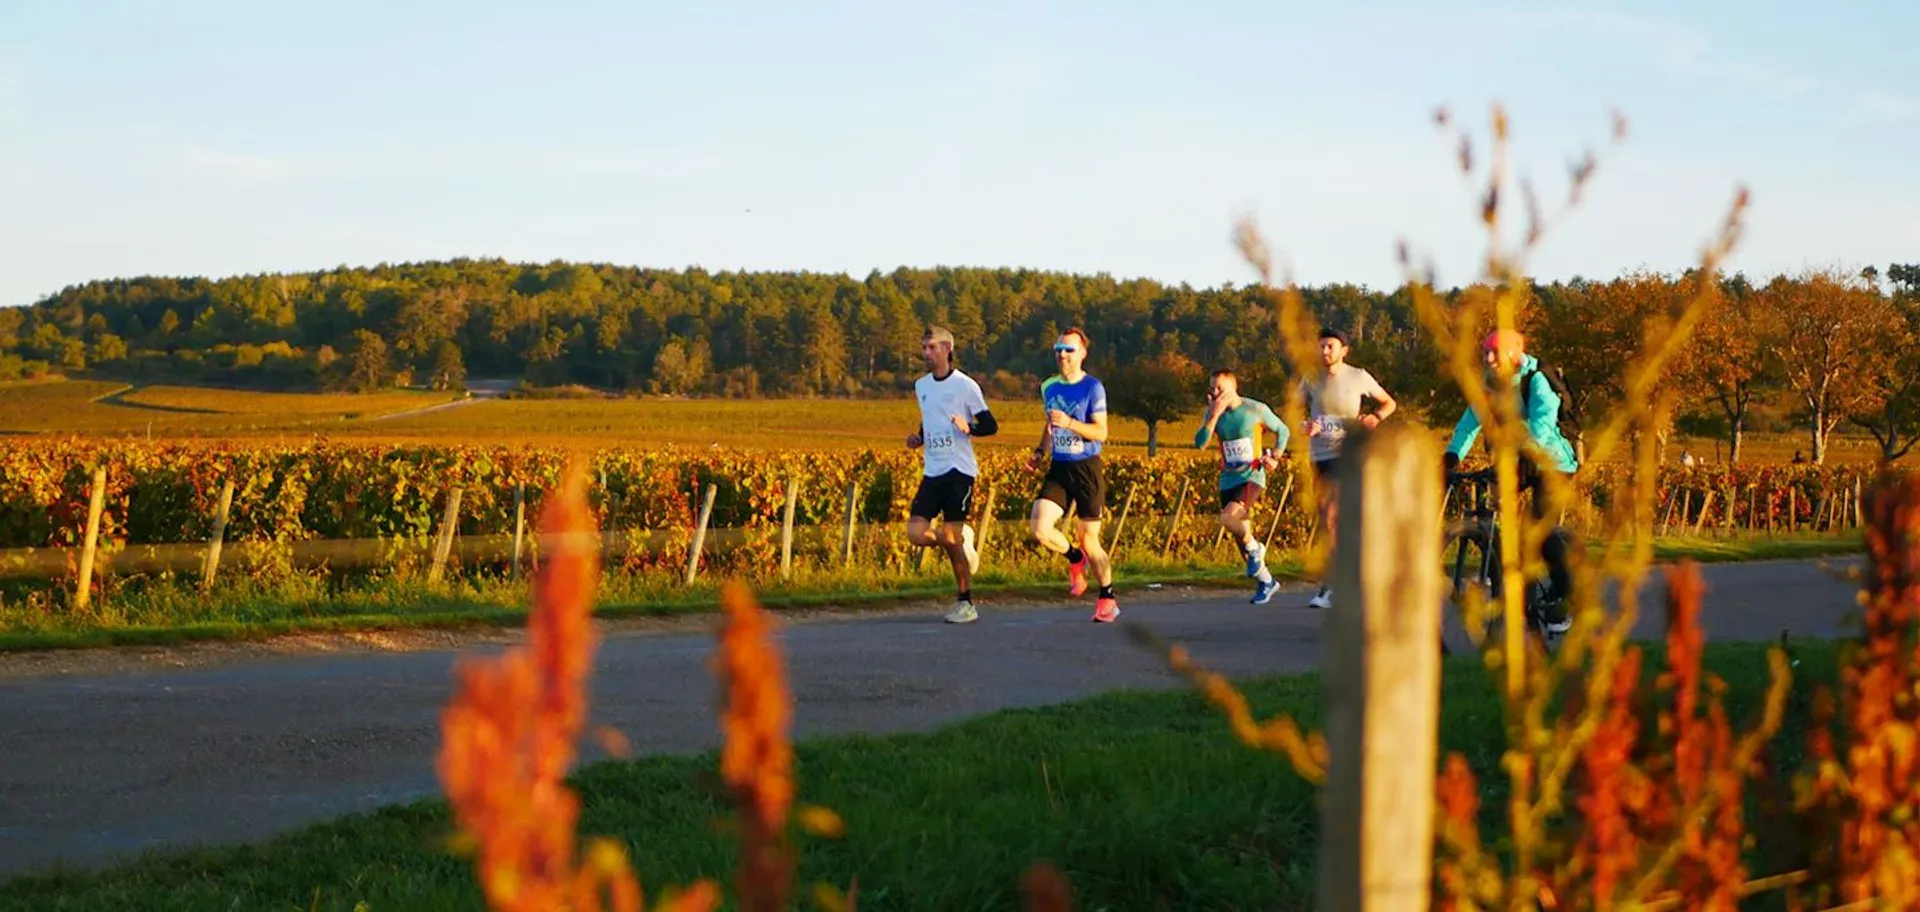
{"x": 247, "y": 744}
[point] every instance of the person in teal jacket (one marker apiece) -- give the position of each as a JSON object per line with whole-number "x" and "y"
{"x": 1234, "y": 423}
{"x": 1551, "y": 452}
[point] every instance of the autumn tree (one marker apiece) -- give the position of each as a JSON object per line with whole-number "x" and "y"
{"x": 1166, "y": 388}
{"x": 1821, "y": 329}
{"x": 1593, "y": 330}
{"x": 1890, "y": 406}
{"x": 1724, "y": 363}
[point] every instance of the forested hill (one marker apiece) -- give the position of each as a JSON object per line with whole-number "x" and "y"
{"x": 625, "y": 328}
{"x": 622, "y": 328}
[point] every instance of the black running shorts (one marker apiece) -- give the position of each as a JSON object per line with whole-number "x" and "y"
{"x": 951, "y": 494}
{"x": 1246, "y": 493}
{"x": 1082, "y": 483}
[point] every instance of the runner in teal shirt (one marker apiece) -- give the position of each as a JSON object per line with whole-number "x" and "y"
{"x": 1234, "y": 424}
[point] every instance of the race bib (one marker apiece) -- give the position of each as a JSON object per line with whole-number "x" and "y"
{"x": 942, "y": 442}
{"x": 1237, "y": 452}
{"x": 1333, "y": 427}
{"x": 1066, "y": 441}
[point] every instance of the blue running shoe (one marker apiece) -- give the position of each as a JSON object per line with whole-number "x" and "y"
{"x": 1263, "y": 592}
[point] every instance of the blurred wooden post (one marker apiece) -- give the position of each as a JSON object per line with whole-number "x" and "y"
{"x": 786, "y": 528}
{"x": 84, "y": 594}
{"x": 846, "y": 542}
{"x": 444, "y": 545}
{"x": 700, "y": 534}
{"x": 1859, "y": 514}
{"x": 1382, "y": 676}
{"x": 219, "y": 536}
{"x": 519, "y": 524}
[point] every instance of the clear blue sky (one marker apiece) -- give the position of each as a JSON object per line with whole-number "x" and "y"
{"x": 216, "y": 137}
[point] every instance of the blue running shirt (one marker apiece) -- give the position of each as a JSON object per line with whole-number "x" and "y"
{"x": 1081, "y": 400}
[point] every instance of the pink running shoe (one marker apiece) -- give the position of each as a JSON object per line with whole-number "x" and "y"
{"x": 1077, "y": 578}
{"x": 1106, "y": 610}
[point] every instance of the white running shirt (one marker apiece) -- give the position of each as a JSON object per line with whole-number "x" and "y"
{"x": 1336, "y": 399}
{"x": 945, "y": 447}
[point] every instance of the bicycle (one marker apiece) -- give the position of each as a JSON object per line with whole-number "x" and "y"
{"x": 1481, "y": 529}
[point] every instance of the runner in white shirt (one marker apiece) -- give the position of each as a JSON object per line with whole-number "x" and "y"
{"x": 952, "y": 412}
{"x": 1333, "y": 403}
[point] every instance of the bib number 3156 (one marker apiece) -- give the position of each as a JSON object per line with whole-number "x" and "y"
{"x": 1237, "y": 452}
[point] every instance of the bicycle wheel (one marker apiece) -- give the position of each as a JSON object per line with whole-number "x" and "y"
{"x": 1468, "y": 562}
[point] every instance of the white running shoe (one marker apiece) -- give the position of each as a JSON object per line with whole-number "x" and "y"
{"x": 973, "y": 553}
{"x": 1323, "y": 600}
{"x": 962, "y": 613}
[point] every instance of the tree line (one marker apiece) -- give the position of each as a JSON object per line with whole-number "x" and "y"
{"x": 1812, "y": 350}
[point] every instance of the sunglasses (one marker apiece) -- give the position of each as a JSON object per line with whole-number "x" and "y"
{"x": 1062, "y": 347}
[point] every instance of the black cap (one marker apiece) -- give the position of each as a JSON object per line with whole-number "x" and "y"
{"x": 1331, "y": 333}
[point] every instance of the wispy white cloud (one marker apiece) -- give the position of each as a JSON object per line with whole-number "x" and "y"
{"x": 13, "y": 93}
{"x": 249, "y": 169}
{"x": 1677, "y": 47}
{"x": 1882, "y": 106}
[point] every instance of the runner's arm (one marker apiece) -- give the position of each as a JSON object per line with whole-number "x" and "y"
{"x": 1274, "y": 423}
{"x": 983, "y": 424}
{"x": 1465, "y": 432}
{"x": 1378, "y": 392}
{"x": 1097, "y": 407}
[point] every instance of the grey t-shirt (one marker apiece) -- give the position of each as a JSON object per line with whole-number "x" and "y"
{"x": 1336, "y": 401}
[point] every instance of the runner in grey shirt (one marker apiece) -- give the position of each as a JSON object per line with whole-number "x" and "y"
{"x": 1334, "y": 397}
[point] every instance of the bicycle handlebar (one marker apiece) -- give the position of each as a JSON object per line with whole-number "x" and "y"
{"x": 1481, "y": 475}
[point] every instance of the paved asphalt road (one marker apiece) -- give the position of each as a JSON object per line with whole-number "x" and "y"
{"x": 100, "y": 765}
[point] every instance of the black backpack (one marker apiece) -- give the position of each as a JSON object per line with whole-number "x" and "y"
{"x": 1570, "y": 423}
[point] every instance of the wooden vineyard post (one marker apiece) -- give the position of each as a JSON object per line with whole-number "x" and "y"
{"x": 443, "y": 546}
{"x": 1113, "y": 547}
{"x": 1382, "y": 677}
{"x": 786, "y": 528}
{"x": 219, "y": 536}
{"x": 1279, "y": 510}
{"x": 1706, "y": 506}
{"x": 519, "y": 524}
{"x": 1793, "y": 510}
{"x": 986, "y": 525}
{"x": 846, "y": 541}
{"x": 98, "y": 502}
{"x": 700, "y": 534}
{"x": 1173, "y": 524}
{"x": 1859, "y": 513}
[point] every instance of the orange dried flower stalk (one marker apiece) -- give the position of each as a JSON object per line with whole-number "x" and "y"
{"x": 508, "y": 738}
{"x": 1281, "y": 734}
{"x": 757, "y": 760}
{"x": 1045, "y": 889}
{"x": 1865, "y": 785}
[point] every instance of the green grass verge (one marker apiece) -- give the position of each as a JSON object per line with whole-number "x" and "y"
{"x": 1143, "y": 798}
{"x": 169, "y": 612}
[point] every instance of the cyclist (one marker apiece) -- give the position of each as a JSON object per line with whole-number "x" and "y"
{"x": 1334, "y": 398}
{"x": 952, "y": 413}
{"x": 1076, "y": 426}
{"x": 1551, "y": 452}
{"x": 1234, "y": 422}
